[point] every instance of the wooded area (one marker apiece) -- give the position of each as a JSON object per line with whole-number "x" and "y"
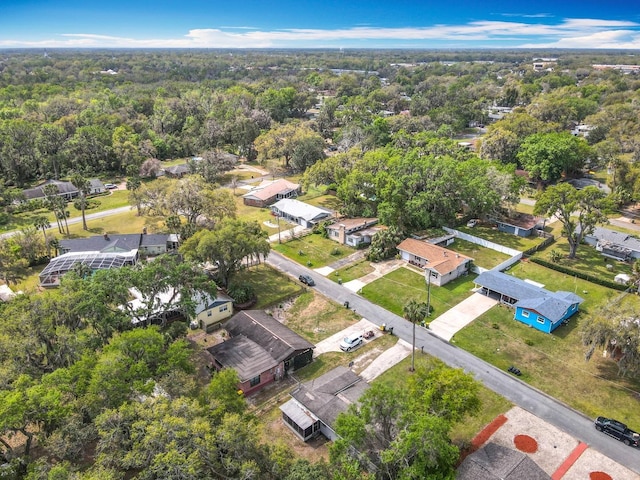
{"x": 384, "y": 130}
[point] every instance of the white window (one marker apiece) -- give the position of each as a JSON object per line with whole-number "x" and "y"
{"x": 540, "y": 319}
{"x": 209, "y": 313}
{"x": 525, "y": 314}
{"x": 224, "y": 308}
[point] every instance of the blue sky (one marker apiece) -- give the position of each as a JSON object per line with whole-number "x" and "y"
{"x": 320, "y": 24}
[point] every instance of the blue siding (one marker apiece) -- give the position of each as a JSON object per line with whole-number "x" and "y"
{"x": 503, "y": 227}
{"x": 534, "y": 319}
{"x": 540, "y": 322}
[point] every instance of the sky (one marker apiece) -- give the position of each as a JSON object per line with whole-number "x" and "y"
{"x": 604, "y": 24}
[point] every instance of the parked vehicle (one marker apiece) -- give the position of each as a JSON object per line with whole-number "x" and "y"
{"x": 110, "y": 186}
{"x": 617, "y": 430}
{"x": 307, "y": 280}
{"x": 350, "y": 342}
{"x": 472, "y": 223}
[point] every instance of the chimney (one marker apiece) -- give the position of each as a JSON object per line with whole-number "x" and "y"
{"x": 341, "y": 234}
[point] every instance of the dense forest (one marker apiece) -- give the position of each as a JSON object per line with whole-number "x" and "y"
{"x": 382, "y": 129}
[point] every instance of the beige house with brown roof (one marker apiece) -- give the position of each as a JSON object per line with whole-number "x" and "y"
{"x": 443, "y": 265}
{"x": 353, "y": 231}
{"x": 269, "y": 192}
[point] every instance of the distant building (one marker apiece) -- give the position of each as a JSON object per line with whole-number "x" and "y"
{"x": 354, "y": 231}
{"x": 105, "y": 252}
{"x": 299, "y": 212}
{"x": 269, "y": 192}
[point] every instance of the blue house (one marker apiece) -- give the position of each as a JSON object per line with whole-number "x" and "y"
{"x": 535, "y": 306}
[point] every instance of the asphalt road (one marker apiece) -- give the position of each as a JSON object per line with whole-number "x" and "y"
{"x": 71, "y": 221}
{"x": 503, "y": 383}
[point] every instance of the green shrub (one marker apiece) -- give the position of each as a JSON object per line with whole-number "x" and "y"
{"x": 581, "y": 275}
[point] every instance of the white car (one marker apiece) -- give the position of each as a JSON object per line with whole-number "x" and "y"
{"x": 350, "y": 342}
{"x": 110, "y": 186}
{"x": 472, "y": 223}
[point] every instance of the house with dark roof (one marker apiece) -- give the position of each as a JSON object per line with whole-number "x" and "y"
{"x": 96, "y": 186}
{"x": 495, "y": 462}
{"x": 617, "y": 245}
{"x": 441, "y": 264}
{"x": 260, "y": 349}
{"x": 177, "y": 171}
{"x": 534, "y": 305}
{"x": 104, "y": 252}
{"x": 521, "y": 224}
{"x": 316, "y": 404}
{"x": 65, "y": 189}
{"x": 353, "y": 231}
{"x": 295, "y": 211}
{"x": 269, "y": 192}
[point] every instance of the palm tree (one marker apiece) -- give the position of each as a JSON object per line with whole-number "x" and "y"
{"x": 42, "y": 223}
{"x": 415, "y": 312}
{"x": 84, "y": 188}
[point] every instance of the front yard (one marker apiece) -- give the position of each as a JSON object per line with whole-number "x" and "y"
{"x": 313, "y": 250}
{"x": 555, "y": 363}
{"x": 397, "y": 288}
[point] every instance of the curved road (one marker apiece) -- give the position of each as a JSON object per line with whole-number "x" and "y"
{"x": 518, "y": 392}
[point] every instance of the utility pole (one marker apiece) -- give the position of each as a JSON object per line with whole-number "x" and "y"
{"x": 428, "y": 271}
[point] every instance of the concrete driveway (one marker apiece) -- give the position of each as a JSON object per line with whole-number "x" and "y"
{"x": 386, "y": 360}
{"x": 332, "y": 344}
{"x": 458, "y": 317}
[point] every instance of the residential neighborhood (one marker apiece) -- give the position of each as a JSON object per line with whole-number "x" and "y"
{"x": 316, "y": 272}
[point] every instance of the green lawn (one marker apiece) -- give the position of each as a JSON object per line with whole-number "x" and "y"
{"x": 313, "y": 250}
{"x": 482, "y": 256}
{"x": 352, "y": 272}
{"x": 260, "y": 215}
{"x": 555, "y": 363}
{"x": 464, "y": 431}
{"x": 116, "y": 199}
{"x": 397, "y": 288}
{"x": 502, "y": 238}
{"x": 271, "y": 286}
{"x": 588, "y": 260}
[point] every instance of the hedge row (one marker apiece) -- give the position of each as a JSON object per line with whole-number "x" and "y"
{"x": 581, "y": 275}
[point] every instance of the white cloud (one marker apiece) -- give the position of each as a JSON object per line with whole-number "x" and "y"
{"x": 570, "y": 33}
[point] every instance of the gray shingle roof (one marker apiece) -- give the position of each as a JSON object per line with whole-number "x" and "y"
{"x": 243, "y": 355}
{"x": 102, "y": 243}
{"x": 154, "y": 239}
{"x": 331, "y": 394}
{"x": 616, "y": 238}
{"x": 269, "y": 333}
{"x": 38, "y": 192}
{"x": 299, "y": 209}
{"x": 552, "y": 305}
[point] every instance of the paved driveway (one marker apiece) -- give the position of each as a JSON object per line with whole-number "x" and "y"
{"x": 458, "y": 317}
{"x": 332, "y": 344}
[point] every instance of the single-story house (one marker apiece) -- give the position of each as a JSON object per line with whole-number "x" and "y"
{"x": 260, "y": 349}
{"x": 210, "y": 313}
{"x": 534, "y": 305}
{"x": 612, "y": 244}
{"x": 105, "y": 251}
{"x": 299, "y": 212}
{"x": 67, "y": 190}
{"x": 177, "y": 171}
{"x": 441, "y": 264}
{"x": 269, "y": 192}
{"x": 316, "y": 404}
{"x": 522, "y": 224}
{"x": 59, "y": 266}
{"x": 353, "y": 231}
{"x": 96, "y": 186}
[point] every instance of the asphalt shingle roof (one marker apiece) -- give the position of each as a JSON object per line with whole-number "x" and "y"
{"x": 552, "y": 305}
{"x": 439, "y": 259}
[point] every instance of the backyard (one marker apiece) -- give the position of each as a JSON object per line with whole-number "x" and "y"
{"x": 494, "y": 235}
{"x": 482, "y": 256}
{"x": 397, "y": 288}
{"x": 555, "y": 363}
